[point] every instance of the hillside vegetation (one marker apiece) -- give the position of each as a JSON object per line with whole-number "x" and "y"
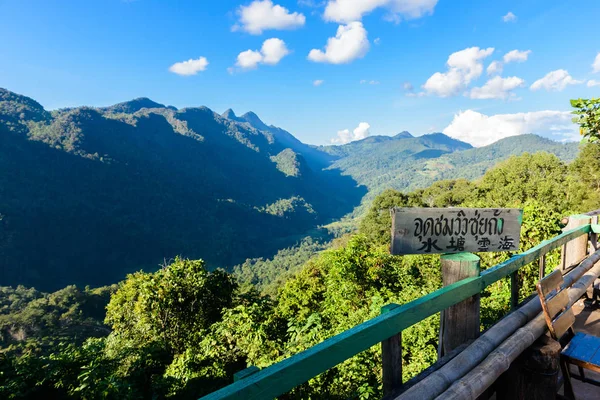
{"x": 183, "y": 331}
{"x": 90, "y": 194}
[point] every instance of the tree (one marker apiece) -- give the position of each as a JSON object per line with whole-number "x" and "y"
{"x": 377, "y": 223}
{"x": 173, "y": 304}
{"x": 540, "y": 176}
{"x": 587, "y": 113}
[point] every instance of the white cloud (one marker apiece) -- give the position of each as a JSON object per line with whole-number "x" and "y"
{"x": 345, "y": 136}
{"x": 463, "y": 67}
{"x": 592, "y": 83}
{"x": 249, "y": 59}
{"x": 510, "y": 17}
{"x": 318, "y": 82}
{"x": 495, "y": 67}
{"x": 263, "y": 15}
{"x": 407, "y": 86}
{"x": 516, "y": 56}
{"x": 271, "y": 52}
{"x": 189, "y": 67}
{"x": 596, "y": 64}
{"x": 497, "y": 88}
{"x": 377, "y": 41}
{"x": 349, "y": 43}
{"x": 371, "y": 82}
{"x": 555, "y": 80}
{"x": 481, "y": 130}
{"x": 345, "y": 11}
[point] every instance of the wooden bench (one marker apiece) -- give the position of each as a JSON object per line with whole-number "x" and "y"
{"x": 580, "y": 349}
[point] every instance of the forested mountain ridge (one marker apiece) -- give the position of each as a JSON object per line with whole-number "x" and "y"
{"x": 98, "y": 192}
{"x": 88, "y": 194}
{"x": 407, "y": 163}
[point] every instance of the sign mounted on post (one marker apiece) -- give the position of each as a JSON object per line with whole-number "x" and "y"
{"x": 455, "y": 230}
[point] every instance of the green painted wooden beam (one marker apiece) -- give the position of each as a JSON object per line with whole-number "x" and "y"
{"x": 285, "y": 375}
{"x": 595, "y": 228}
{"x": 245, "y": 373}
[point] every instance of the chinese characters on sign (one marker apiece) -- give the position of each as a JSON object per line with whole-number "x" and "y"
{"x": 454, "y": 230}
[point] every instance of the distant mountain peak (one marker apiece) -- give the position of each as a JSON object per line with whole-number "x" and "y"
{"x": 229, "y": 114}
{"x": 403, "y": 135}
{"x": 134, "y": 105}
{"x": 254, "y": 120}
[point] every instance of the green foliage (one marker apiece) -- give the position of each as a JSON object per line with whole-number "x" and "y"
{"x": 268, "y": 275}
{"x": 288, "y": 162}
{"x": 539, "y": 176}
{"x": 287, "y": 208}
{"x": 125, "y": 187}
{"x": 588, "y": 117}
{"x": 171, "y": 306}
{"x": 34, "y": 322}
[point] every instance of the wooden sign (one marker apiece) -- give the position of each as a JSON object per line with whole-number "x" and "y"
{"x": 454, "y": 230}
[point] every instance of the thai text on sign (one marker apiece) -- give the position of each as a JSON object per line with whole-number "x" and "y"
{"x": 454, "y": 230}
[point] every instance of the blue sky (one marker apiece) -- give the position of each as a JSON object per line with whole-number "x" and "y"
{"x": 69, "y": 53}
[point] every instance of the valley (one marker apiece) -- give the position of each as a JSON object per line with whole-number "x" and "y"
{"x": 90, "y": 194}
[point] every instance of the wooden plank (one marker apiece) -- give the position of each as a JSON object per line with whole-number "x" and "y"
{"x": 291, "y": 372}
{"x": 542, "y": 266}
{"x": 563, "y": 322}
{"x": 577, "y": 249}
{"x": 461, "y": 322}
{"x": 391, "y": 358}
{"x": 551, "y": 282}
{"x": 582, "y": 347}
{"x": 557, "y": 303}
{"x": 595, "y": 359}
{"x": 455, "y": 230}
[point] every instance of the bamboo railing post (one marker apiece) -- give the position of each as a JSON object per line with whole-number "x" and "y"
{"x": 574, "y": 251}
{"x": 391, "y": 358}
{"x": 461, "y": 322}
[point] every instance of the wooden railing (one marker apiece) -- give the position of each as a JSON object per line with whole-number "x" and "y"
{"x": 283, "y": 376}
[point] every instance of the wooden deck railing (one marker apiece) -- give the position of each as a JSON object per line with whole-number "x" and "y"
{"x": 283, "y": 376}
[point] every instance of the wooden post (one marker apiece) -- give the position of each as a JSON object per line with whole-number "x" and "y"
{"x": 591, "y": 291}
{"x": 391, "y": 357}
{"x": 575, "y": 251}
{"x": 514, "y": 290}
{"x": 461, "y": 322}
{"x": 534, "y": 374}
{"x": 593, "y": 235}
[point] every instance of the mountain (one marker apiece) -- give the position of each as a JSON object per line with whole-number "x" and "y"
{"x": 88, "y": 194}
{"x": 404, "y": 162}
{"x": 379, "y": 162}
{"x": 314, "y": 157}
